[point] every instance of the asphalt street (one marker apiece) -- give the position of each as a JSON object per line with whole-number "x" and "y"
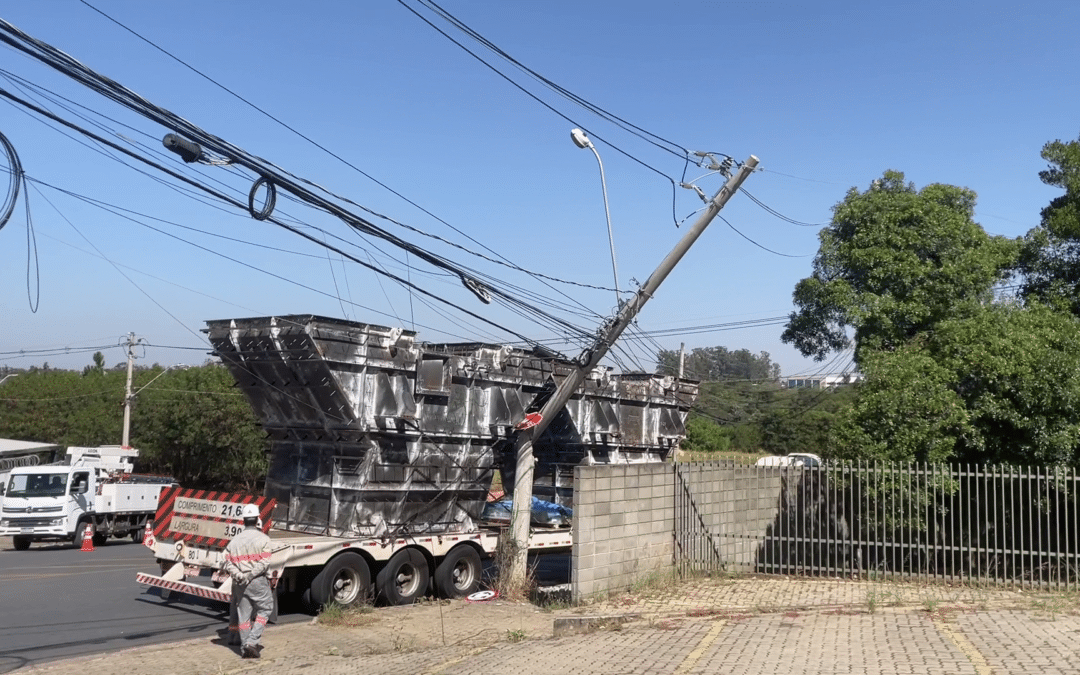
{"x": 58, "y": 602}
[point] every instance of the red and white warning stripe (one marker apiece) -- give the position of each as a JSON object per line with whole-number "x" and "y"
{"x": 182, "y": 587}
{"x": 205, "y": 517}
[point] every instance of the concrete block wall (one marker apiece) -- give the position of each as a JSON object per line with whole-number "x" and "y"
{"x": 723, "y": 515}
{"x": 752, "y": 496}
{"x": 624, "y": 522}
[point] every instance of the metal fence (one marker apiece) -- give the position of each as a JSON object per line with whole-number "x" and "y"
{"x": 1015, "y": 526}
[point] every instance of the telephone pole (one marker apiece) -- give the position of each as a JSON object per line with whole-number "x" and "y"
{"x": 587, "y": 361}
{"x": 128, "y": 396}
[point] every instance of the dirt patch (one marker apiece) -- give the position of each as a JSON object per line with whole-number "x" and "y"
{"x": 449, "y": 623}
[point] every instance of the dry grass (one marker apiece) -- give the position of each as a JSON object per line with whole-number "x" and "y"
{"x": 336, "y": 616}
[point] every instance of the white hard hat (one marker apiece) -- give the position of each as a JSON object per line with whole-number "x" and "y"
{"x": 249, "y": 511}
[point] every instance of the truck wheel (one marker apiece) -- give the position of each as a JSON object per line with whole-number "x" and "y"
{"x": 458, "y": 575}
{"x": 77, "y": 537}
{"x": 346, "y": 580}
{"x": 100, "y": 538}
{"x": 20, "y": 543}
{"x": 404, "y": 578}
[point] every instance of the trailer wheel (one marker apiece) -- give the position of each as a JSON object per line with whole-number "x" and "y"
{"x": 458, "y": 575}
{"x": 404, "y": 578}
{"x": 346, "y": 580}
{"x": 20, "y": 543}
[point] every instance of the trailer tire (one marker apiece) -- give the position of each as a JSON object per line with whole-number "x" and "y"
{"x": 458, "y": 575}
{"x": 20, "y": 543}
{"x": 345, "y": 581}
{"x": 404, "y": 578}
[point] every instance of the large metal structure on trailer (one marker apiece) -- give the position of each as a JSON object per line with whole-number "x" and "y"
{"x": 373, "y": 433}
{"x": 383, "y": 450}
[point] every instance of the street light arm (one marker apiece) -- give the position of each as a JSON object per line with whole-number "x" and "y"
{"x": 136, "y": 392}
{"x": 610, "y": 234}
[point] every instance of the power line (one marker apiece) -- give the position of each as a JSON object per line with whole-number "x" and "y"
{"x": 501, "y": 260}
{"x": 271, "y": 175}
{"x": 776, "y": 213}
{"x": 763, "y": 248}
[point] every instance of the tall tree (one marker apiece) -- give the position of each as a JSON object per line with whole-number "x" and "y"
{"x": 1001, "y": 385}
{"x": 714, "y": 364}
{"x": 894, "y": 262}
{"x": 1051, "y": 254}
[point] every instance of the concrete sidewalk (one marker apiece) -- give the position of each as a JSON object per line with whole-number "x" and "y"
{"x": 752, "y": 626}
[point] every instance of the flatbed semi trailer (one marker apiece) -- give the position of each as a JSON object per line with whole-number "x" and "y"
{"x": 324, "y": 568}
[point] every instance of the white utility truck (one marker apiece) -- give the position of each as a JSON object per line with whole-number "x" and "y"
{"x": 94, "y": 489}
{"x": 382, "y": 453}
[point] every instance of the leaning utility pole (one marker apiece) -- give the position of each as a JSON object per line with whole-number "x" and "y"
{"x": 128, "y": 396}
{"x": 586, "y": 362}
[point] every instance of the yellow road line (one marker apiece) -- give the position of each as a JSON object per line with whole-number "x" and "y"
{"x": 693, "y": 657}
{"x": 966, "y": 647}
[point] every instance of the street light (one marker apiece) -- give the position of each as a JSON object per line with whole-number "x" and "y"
{"x": 582, "y": 141}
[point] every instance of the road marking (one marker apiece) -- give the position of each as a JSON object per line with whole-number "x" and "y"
{"x": 966, "y": 647}
{"x": 692, "y": 658}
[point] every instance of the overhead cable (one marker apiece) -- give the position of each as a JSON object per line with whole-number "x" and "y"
{"x": 264, "y": 169}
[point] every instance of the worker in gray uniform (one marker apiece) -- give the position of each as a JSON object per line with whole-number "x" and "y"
{"x": 247, "y": 561}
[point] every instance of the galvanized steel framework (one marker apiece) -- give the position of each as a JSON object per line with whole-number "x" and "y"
{"x": 376, "y": 434}
{"x": 1015, "y": 526}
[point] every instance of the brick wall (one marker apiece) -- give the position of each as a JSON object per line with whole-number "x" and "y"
{"x": 632, "y": 522}
{"x": 623, "y": 526}
{"x": 723, "y": 515}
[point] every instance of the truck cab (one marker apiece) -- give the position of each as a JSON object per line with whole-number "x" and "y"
{"x": 95, "y": 490}
{"x": 45, "y": 503}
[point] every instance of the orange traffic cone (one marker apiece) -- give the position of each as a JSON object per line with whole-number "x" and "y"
{"x": 87, "y": 538}
{"x": 148, "y": 536}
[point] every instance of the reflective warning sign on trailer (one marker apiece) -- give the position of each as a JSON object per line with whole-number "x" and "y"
{"x": 205, "y": 517}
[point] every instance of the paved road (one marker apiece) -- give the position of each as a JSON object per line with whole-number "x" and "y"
{"x": 58, "y": 602}
{"x": 701, "y": 627}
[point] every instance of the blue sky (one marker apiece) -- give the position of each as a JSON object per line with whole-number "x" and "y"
{"x": 827, "y": 94}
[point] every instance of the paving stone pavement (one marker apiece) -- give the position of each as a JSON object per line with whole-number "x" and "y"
{"x": 731, "y": 626}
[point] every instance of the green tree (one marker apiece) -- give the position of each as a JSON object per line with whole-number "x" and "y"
{"x": 998, "y": 386}
{"x": 894, "y": 262}
{"x": 704, "y": 435}
{"x": 801, "y": 420}
{"x": 1050, "y": 261}
{"x": 199, "y": 429}
{"x": 99, "y": 365}
{"x": 193, "y": 424}
{"x": 713, "y": 364}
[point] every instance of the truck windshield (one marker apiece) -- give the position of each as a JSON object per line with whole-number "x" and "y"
{"x": 37, "y": 485}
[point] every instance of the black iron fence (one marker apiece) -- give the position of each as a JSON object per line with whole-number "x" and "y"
{"x": 1016, "y": 526}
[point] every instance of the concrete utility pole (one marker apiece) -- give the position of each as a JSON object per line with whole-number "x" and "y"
{"x": 587, "y": 361}
{"x": 128, "y": 396}
{"x": 682, "y": 354}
